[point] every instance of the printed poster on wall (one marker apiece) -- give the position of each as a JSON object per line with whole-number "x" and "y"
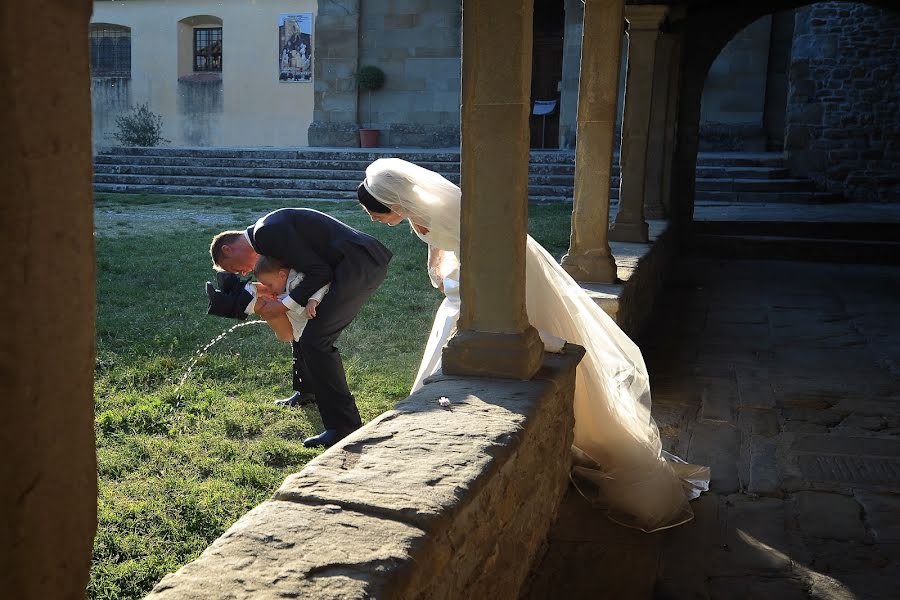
{"x": 295, "y": 47}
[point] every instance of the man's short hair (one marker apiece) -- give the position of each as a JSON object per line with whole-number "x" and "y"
{"x": 268, "y": 264}
{"x": 219, "y": 240}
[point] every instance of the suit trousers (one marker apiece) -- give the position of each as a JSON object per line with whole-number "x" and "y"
{"x": 320, "y": 365}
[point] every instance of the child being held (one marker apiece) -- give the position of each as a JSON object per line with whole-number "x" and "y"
{"x": 277, "y": 282}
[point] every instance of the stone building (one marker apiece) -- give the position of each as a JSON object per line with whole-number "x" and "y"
{"x": 777, "y": 85}
{"x": 155, "y": 52}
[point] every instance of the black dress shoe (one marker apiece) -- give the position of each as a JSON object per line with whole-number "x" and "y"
{"x": 298, "y": 399}
{"x": 329, "y": 437}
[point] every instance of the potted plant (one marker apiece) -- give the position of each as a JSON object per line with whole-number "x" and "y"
{"x": 369, "y": 78}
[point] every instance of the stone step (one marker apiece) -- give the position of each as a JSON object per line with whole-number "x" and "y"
{"x": 868, "y": 231}
{"x": 254, "y": 172}
{"x": 346, "y": 187}
{"x": 358, "y": 166}
{"x": 773, "y": 197}
{"x": 298, "y": 173}
{"x": 796, "y": 248}
{"x": 244, "y": 192}
{"x": 739, "y": 172}
{"x": 250, "y": 192}
{"x": 288, "y": 153}
{"x": 740, "y": 159}
{"x": 756, "y": 185}
{"x": 565, "y": 157}
{"x": 733, "y": 177}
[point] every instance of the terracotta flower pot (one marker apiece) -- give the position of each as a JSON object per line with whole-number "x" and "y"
{"x": 368, "y": 138}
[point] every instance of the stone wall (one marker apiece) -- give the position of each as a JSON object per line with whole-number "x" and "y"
{"x": 200, "y": 110}
{"x": 735, "y": 92}
{"x": 418, "y": 47}
{"x": 110, "y": 98}
{"x": 843, "y": 120}
{"x": 422, "y": 502}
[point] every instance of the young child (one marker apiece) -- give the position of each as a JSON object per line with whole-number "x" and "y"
{"x": 276, "y": 281}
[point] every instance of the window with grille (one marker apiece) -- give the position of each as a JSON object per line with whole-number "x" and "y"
{"x": 110, "y": 51}
{"x": 207, "y": 49}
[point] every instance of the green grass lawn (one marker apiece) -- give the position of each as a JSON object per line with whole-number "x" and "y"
{"x": 178, "y": 467}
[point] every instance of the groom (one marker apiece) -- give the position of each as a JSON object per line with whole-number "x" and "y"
{"x": 326, "y": 251}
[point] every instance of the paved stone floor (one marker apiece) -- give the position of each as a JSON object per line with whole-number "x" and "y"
{"x": 784, "y": 377}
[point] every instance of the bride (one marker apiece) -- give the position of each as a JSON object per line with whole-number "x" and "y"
{"x": 617, "y": 446}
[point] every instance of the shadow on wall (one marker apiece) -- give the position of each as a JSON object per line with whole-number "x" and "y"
{"x": 110, "y": 97}
{"x": 200, "y": 109}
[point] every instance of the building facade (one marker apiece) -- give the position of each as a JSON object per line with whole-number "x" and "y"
{"x": 219, "y": 74}
{"x": 278, "y": 73}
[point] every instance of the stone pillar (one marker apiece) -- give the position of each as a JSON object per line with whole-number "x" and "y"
{"x": 494, "y": 336}
{"x": 671, "y": 124}
{"x": 335, "y": 62}
{"x": 644, "y": 22}
{"x": 589, "y": 258}
{"x": 48, "y": 472}
{"x": 568, "y": 96}
{"x": 658, "y": 149}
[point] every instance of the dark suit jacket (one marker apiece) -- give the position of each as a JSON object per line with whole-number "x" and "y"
{"x": 312, "y": 243}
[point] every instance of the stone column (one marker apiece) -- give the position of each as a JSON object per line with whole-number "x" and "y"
{"x": 568, "y": 97}
{"x": 48, "y": 470}
{"x": 589, "y": 258}
{"x": 658, "y": 149}
{"x": 335, "y": 61}
{"x": 672, "y": 104}
{"x": 643, "y": 30}
{"x": 494, "y": 337}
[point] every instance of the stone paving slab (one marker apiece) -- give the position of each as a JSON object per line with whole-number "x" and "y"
{"x": 805, "y": 451}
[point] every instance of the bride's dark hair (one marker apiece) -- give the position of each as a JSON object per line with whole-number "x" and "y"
{"x": 368, "y": 200}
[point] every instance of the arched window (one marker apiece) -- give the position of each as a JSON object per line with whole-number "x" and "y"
{"x": 199, "y": 45}
{"x": 110, "y": 50}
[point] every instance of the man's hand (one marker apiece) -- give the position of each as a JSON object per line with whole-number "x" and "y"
{"x": 268, "y": 308}
{"x": 311, "y": 308}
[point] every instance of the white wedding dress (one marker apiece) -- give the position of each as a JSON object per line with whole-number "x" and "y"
{"x": 617, "y": 446}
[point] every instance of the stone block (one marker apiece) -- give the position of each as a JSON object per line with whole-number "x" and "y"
{"x": 831, "y": 516}
{"x": 261, "y": 555}
{"x": 882, "y": 514}
{"x": 343, "y": 135}
{"x": 764, "y": 478}
{"x": 718, "y": 399}
{"x": 756, "y": 537}
{"x": 717, "y": 446}
{"x": 750, "y": 588}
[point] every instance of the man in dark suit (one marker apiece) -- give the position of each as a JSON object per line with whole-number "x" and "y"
{"x": 326, "y": 251}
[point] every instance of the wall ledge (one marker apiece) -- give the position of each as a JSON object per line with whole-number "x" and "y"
{"x": 423, "y": 501}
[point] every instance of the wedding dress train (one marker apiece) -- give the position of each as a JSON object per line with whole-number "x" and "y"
{"x": 617, "y": 446}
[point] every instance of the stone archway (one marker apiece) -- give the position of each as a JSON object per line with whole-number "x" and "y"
{"x": 706, "y": 31}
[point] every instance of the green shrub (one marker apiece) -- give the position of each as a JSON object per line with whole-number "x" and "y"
{"x": 140, "y": 127}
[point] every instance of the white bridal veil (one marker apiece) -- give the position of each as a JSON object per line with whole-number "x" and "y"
{"x": 617, "y": 446}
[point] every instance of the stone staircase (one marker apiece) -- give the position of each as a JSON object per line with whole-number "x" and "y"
{"x": 850, "y": 242}
{"x": 332, "y": 174}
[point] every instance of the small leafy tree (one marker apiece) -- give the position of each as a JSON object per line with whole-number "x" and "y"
{"x": 140, "y": 127}
{"x": 370, "y": 78}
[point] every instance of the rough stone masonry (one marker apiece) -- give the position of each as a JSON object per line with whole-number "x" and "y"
{"x": 422, "y": 502}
